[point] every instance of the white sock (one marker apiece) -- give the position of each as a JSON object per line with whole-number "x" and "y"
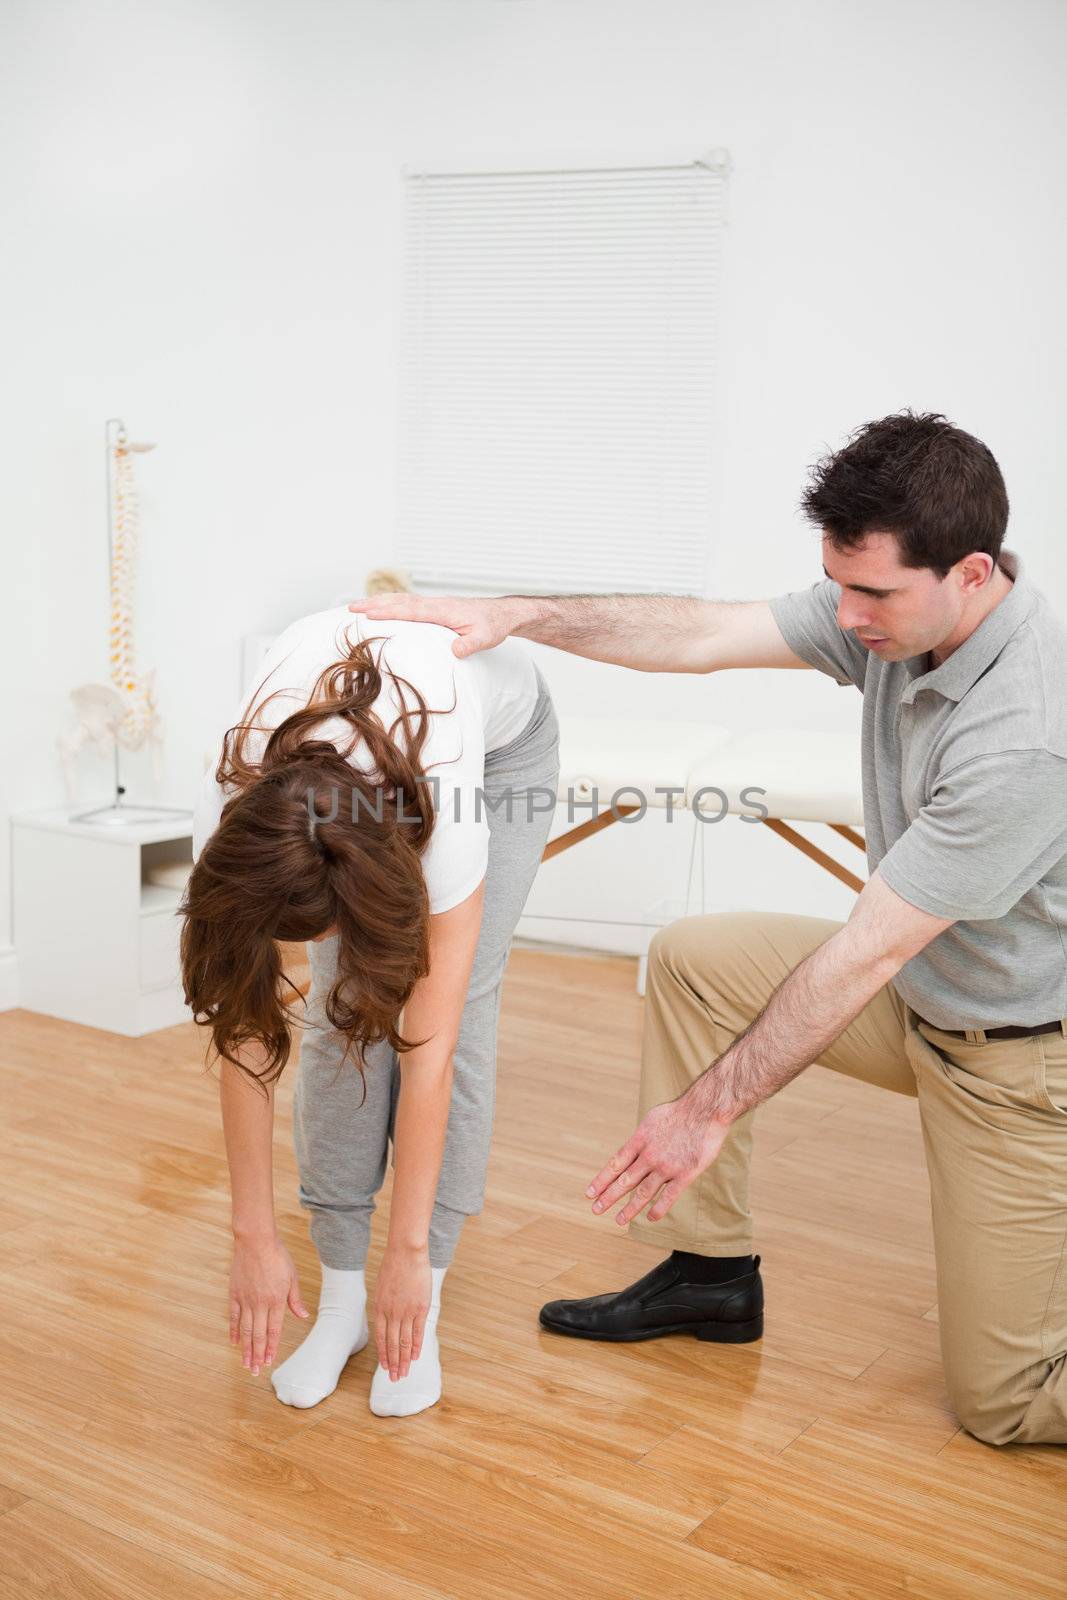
{"x": 422, "y": 1386}
{"x": 340, "y": 1329}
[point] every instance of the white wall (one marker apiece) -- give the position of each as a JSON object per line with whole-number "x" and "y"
{"x": 205, "y": 201}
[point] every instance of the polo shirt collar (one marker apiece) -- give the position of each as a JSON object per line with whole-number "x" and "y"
{"x": 966, "y": 664}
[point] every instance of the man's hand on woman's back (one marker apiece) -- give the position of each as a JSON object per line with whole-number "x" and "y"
{"x": 478, "y": 624}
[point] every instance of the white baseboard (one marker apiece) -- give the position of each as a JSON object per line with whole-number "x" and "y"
{"x": 9, "y": 978}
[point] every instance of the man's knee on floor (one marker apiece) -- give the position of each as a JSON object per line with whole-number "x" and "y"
{"x": 999, "y": 1413}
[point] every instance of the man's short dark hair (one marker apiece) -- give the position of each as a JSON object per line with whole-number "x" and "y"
{"x": 938, "y": 489}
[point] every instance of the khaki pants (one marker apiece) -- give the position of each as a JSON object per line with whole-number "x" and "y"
{"x": 994, "y": 1121}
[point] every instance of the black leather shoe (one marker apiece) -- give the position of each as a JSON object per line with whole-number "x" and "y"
{"x": 665, "y": 1302}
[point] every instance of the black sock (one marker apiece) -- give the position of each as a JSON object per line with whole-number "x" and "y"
{"x": 710, "y": 1269}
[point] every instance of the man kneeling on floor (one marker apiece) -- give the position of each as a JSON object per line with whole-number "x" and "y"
{"x": 948, "y": 982}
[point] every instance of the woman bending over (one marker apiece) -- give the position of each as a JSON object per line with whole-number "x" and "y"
{"x": 388, "y": 803}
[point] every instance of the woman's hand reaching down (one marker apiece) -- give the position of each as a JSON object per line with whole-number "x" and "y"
{"x": 263, "y": 1281}
{"x": 402, "y": 1297}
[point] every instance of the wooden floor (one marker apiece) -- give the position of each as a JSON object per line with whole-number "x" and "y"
{"x": 139, "y": 1459}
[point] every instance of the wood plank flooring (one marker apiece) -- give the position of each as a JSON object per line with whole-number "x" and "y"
{"x": 139, "y": 1459}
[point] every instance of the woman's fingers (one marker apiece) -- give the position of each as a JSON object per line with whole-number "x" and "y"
{"x": 260, "y": 1327}
{"x": 399, "y": 1338}
{"x": 259, "y": 1337}
{"x": 263, "y": 1281}
{"x": 246, "y": 1334}
{"x": 406, "y": 1344}
{"x": 296, "y": 1300}
{"x": 275, "y": 1317}
{"x": 394, "y": 1347}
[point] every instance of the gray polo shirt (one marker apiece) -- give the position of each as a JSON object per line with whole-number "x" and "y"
{"x": 965, "y": 798}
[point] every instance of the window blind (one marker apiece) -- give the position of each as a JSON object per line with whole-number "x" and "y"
{"x": 559, "y": 354}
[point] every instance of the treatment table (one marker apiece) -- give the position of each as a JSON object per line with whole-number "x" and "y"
{"x": 793, "y": 776}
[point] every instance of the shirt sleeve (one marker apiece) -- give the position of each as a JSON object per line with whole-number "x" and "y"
{"x": 993, "y": 828}
{"x": 455, "y": 860}
{"x": 807, "y": 619}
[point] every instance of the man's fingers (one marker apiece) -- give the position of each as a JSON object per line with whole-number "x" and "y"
{"x": 666, "y": 1199}
{"x": 622, "y": 1185}
{"x": 618, "y": 1163}
{"x": 372, "y": 602}
{"x": 639, "y": 1199}
{"x": 476, "y": 626}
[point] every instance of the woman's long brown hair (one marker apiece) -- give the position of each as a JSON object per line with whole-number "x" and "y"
{"x": 308, "y": 841}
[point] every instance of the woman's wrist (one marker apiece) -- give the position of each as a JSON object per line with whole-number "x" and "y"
{"x": 407, "y": 1246}
{"x": 257, "y": 1231}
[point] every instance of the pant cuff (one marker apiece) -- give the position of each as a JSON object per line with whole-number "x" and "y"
{"x": 678, "y": 1239}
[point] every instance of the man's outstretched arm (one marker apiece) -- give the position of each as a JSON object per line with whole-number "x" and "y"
{"x": 805, "y": 1014}
{"x": 650, "y": 632}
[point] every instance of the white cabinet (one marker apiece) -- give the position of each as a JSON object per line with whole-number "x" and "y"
{"x": 97, "y": 940}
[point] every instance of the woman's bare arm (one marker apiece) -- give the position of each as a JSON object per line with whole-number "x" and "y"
{"x": 433, "y": 1012}
{"x": 248, "y": 1129}
{"x": 263, "y": 1279}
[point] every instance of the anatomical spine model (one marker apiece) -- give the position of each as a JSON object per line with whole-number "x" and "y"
{"x": 124, "y": 711}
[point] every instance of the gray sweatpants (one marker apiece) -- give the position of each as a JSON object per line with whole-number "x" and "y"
{"x": 342, "y": 1144}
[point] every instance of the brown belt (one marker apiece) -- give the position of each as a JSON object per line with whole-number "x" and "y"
{"x": 1012, "y": 1031}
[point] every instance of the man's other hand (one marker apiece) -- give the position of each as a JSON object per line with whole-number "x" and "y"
{"x": 668, "y": 1150}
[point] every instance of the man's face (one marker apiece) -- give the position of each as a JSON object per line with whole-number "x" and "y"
{"x": 895, "y": 611}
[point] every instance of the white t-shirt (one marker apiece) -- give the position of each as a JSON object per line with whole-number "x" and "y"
{"x": 494, "y": 692}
